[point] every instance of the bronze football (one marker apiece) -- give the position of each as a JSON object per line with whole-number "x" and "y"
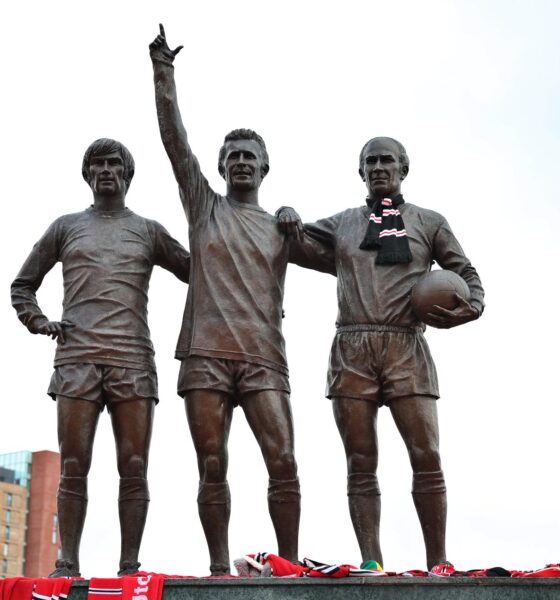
{"x": 437, "y": 288}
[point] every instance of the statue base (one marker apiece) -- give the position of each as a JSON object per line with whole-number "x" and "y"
{"x": 355, "y": 588}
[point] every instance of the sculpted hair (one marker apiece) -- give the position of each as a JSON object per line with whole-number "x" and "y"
{"x": 105, "y": 146}
{"x": 242, "y": 134}
{"x": 403, "y": 156}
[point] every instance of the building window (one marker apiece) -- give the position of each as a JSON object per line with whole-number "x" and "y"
{"x": 54, "y": 535}
{"x": 9, "y": 499}
{"x": 8, "y": 516}
{"x": 4, "y": 566}
{"x": 6, "y": 549}
{"x": 7, "y": 532}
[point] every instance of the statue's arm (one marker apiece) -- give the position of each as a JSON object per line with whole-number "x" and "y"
{"x": 323, "y": 231}
{"x": 311, "y": 254}
{"x": 308, "y": 248}
{"x": 170, "y": 254}
{"x": 447, "y": 252}
{"x": 40, "y": 261}
{"x": 193, "y": 185}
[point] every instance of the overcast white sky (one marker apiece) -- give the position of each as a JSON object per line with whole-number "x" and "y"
{"x": 470, "y": 87}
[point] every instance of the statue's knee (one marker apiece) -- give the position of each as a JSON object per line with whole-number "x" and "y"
{"x": 361, "y": 462}
{"x": 213, "y": 468}
{"x": 74, "y": 467}
{"x": 425, "y": 458}
{"x": 132, "y": 466}
{"x": 282, "y": 466}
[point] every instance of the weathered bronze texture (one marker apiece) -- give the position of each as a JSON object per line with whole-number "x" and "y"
{"x": 104, "y": 355}
{"x": 379, "y": 354}
{"x": 231, "y": 344}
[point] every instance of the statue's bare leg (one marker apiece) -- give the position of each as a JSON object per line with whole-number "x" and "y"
{"x": 209, "y": 415}
{"x": 357, "y": 423}
{"x": 132, "y": 428}
{"x": 77, "y": 422}
{"x": 417, "y": 422}
{"x": 269, "y": 415}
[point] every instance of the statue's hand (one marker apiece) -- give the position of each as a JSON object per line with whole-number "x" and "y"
{"x": 160, "y": 51}
{"x": 445, "y": 319}
{"x": 289, "y": 222}
{"x": 53, "y": 328}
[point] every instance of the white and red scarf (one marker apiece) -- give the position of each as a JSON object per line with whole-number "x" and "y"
{"x": 386, "y": 232}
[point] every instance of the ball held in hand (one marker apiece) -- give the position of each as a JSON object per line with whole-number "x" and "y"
{"x": 437, "y": 288}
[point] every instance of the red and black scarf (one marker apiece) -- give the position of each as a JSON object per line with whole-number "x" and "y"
{"x": 386, "y": 232}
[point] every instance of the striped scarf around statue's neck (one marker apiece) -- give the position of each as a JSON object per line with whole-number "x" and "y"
{"x": 386, "y": 232}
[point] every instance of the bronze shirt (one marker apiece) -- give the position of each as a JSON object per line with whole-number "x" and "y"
{"x": 107, "y": 260}
{"x": 380, "y": 294}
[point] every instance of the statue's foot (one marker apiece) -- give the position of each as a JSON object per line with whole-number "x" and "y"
{"x": 65, "y": 568}
{"x": 217, "y": 570}
{"x": 128, "y": 567}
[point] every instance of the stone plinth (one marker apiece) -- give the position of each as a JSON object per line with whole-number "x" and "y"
{"x": 382, "y": 588}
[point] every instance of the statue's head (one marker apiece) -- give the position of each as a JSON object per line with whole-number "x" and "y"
{"x": 108, "y": 167}
{"x": 383, "y": 166}
{"x": 243, "y": 159}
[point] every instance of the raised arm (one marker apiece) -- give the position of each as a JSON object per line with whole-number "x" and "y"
{"x": 192, "y": 184}
{"x": 42, "y": 259}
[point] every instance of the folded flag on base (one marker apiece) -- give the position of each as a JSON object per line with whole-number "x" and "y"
{"x": 265, "y": 564}
{"x": 549, "y": 571}
{"x": 445, "y": 569}
{"x": 56, "y": 588}
{"x": 105, "y": 588}
{"x": 16, "y": 588}
{"x": 142, "y": 586}
{"x": 317, "y": 569}
{"x": 29, "y": 588}
{"x": 448, "y": 570}
{"x": 149, "y": 586}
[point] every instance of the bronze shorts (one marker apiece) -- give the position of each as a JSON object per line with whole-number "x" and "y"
{"x": 234, "y": 377}
{"x": 381, "y": 365}
{"x": 103, "y": 384}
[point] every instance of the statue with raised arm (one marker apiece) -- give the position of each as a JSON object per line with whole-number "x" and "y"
{"x": 379, "y": 355}
{"x": 231, "y": 345}
{"x": 104, "y": 356}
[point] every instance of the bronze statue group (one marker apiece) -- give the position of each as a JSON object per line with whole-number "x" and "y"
{"x": 231, "y": 345}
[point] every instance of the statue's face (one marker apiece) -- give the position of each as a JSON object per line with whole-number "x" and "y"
{"x": 107, "y": 174}
{"x": 381, "y": 169}
{"x": 244, "y": 166}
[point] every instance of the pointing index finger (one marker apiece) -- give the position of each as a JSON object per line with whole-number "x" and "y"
{"x": 161, "y": 30}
